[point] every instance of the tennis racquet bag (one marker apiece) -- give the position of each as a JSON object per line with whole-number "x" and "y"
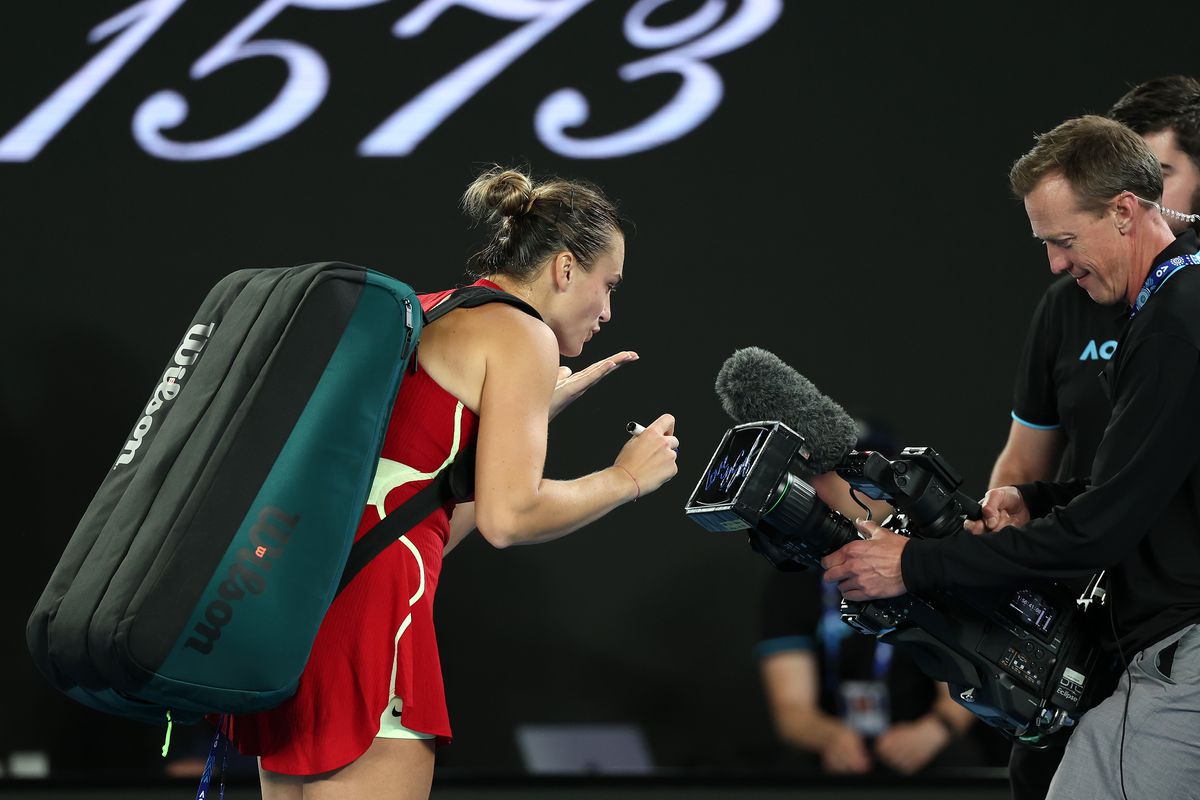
{"x": 199, "y": 574}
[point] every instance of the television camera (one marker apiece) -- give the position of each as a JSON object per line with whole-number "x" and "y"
{"x": 1024, "y": 660}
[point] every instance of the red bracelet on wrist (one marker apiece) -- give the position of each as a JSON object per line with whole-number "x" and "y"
{"x": 636, "y": 485}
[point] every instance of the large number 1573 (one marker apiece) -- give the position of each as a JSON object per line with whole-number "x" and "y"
{"x": 684, "y": 47}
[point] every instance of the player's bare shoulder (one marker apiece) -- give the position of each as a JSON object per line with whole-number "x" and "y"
{"x": 505, "y": 328}
{"x": 457, "y": 349}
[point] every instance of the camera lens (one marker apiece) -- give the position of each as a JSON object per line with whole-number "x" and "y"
{"x": 802, "y": 524}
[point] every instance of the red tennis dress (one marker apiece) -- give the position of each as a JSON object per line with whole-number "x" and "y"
{"x": 377, "y": 640}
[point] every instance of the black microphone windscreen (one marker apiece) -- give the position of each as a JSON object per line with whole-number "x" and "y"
{"x": 755, "y": 384}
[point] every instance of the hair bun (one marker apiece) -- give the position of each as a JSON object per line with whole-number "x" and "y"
{"x": 499, "y": 193}
{"x": 531, "y": 222}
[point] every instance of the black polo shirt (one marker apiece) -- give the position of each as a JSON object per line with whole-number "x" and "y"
{"x": 1140, "y": 516}
{"x": 1071, "y": 338}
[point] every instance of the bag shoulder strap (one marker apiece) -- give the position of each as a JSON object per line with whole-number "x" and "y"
{"x": 456, "y": 481}
{"x": 473, "y": 296}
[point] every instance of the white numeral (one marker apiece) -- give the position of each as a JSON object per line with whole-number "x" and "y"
{"x": 697, "y": 97}
{"x": 307, "y": 83}
{"x": 406, "y": 128}
{"x": 140, "y": 21}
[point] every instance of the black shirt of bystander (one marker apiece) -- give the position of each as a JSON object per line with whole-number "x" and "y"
{"x": 795, "y": 616}
{"x": 1139, "y": 515}
{"x": 1058, "y": 385}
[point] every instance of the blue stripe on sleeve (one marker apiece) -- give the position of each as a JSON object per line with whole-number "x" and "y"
{"x": 1028, "y": 424}
{"x": 782, "y": 644}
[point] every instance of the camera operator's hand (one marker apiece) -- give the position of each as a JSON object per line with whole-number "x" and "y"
{"x": 1002, "y": 506}
{"x": 908, "y": 746}
{"x": 845, "y": 753}
{"x": 867, "y": 569}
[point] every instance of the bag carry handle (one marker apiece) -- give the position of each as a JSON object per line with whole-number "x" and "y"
{"x": 457, "y": 481}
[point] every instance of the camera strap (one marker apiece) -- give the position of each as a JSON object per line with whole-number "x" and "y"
{"x": 1158, "y": 276}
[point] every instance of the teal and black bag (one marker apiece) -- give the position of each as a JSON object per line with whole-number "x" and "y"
{"x": 199, "y": 574}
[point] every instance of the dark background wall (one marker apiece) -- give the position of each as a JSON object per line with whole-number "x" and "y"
{"x": 845, "y": 206}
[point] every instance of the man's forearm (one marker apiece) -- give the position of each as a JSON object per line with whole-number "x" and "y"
{"x": 809, "y": 729}
{"x": 1030, "y": 454}
{"x": 1010, "y": 472}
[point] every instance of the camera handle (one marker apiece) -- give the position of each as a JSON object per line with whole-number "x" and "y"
{"x": 969, "y": 505}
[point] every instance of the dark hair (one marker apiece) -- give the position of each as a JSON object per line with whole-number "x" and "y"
{"x": 1156, "y": 105}
{"x": 1098, "y": 157}
{"x": 532, "y": 221}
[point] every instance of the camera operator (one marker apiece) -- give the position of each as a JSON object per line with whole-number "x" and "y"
{"x": 1090, "y": 188}
{"x": 1059, "y": 409}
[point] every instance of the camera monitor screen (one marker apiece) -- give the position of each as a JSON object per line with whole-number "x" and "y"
{"x": 729, "y": 467}
{"x": 1033, "y": 609}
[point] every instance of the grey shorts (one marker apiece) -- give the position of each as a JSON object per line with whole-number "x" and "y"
{"x": 1160, "y": 757}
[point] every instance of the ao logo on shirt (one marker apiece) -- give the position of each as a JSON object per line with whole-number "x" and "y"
{"x": 1104, "y": 351}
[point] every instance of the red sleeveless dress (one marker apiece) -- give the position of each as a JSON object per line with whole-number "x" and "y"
{"x": 377, "y": 640}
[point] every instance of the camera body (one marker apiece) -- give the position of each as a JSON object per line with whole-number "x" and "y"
{"x": 1022, "y": 659}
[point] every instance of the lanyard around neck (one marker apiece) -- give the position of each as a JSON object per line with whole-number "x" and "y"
{"x": 1158, "y": 276}
{"x": 833, "y": 630}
